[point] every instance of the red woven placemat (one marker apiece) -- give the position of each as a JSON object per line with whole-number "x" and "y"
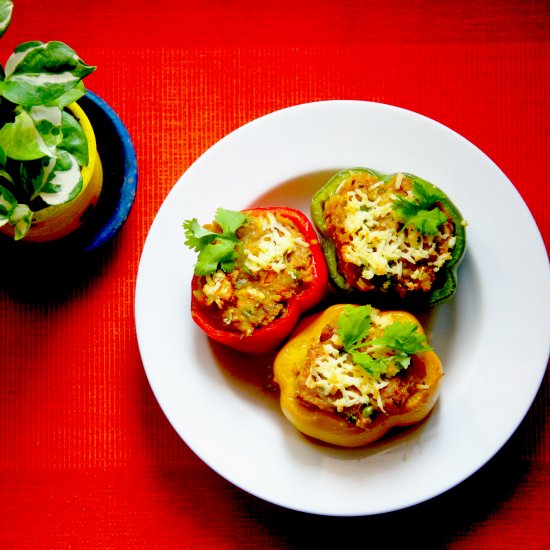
{"x": 87, "y": 459}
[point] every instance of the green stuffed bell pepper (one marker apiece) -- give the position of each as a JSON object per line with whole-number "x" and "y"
{"x": 392, "y": 238}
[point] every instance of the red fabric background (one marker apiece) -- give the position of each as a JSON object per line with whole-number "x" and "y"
{"x": 87, "y": 459}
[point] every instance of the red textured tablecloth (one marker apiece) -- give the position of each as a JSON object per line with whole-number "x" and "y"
{"x": 87, "y": 458}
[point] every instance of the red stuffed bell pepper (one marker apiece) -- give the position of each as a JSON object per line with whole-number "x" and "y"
{"x": 257, "y": 271}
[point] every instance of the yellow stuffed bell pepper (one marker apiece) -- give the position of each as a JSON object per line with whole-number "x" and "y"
{"x": 355, "y": 372}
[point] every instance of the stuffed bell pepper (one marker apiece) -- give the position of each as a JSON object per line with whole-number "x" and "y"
{"x": 392, "y": 238}
{"x": 257, "y": 271}
{"x": 355, "y": 372}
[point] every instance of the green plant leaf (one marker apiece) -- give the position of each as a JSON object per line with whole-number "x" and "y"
{"x": 7, "y": 203}
{"x": 3, "y": 156}
{"x": 21, "y": 219}
{"x": 60, "y": 180}
{"x": 6, "y": 175}
{"x": 6, "y": 9}
{"x": 28, "y": 171}
{"x": 38, "y": 73}
{"x": 21, "y": 140}
{"x": 47, "y": 120}
{"x": 74, "y": 139}
{"x": 74, "y": 94}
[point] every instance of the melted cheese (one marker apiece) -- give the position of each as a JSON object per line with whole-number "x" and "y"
{"x": 273, "y": 247}
{"x": 377, "y": 245}
{"x": 217, "y": 288}
{"x": 335, "y": 374}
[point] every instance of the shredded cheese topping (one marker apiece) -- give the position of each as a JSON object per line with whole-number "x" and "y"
{"x": 378, "y": 246}
{"x": 270, "y": 252}
{"x": 217, "y": 288}
{"x": 334, "y": 373}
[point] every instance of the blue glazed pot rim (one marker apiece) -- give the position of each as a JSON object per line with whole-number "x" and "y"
{"x": 120, "y": 174}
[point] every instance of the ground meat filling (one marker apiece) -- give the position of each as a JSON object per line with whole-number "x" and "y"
{"x": 375, "y": 251}
{"x": 274, "y": 265}
{"x": 368, "y": 400}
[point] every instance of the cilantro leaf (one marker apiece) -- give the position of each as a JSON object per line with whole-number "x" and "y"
{"x": 403, "y": 360}
{"x": 419, "y": 212}
{"x": 375, "y": 367}
{"x": 220, "y": 252}
{"x": 425, "y": 193}
{"x": 354, "y": 325}
{"x": 427, "y": 221}
{"x": 215, "y": 250}
{"x": 402, "y": 336}
{"x": 196, "y": 236}
{"x": 404, "y": 208}
{"x": 229, "y": 221}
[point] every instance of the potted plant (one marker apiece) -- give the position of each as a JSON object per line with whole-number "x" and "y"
{"x": 50, "y": 172}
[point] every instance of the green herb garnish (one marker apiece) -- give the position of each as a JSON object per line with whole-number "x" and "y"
{"x": 401, "y": 338}
{"x": 216, "y": 250}
{"x": 354, "y": 325}
{"x": 421, "y": 212}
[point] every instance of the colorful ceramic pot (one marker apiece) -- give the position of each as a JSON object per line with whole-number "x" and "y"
{"x": 54, "y": 222}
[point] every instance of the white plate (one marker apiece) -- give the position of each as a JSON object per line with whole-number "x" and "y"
{"x": 493, "y": 338}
